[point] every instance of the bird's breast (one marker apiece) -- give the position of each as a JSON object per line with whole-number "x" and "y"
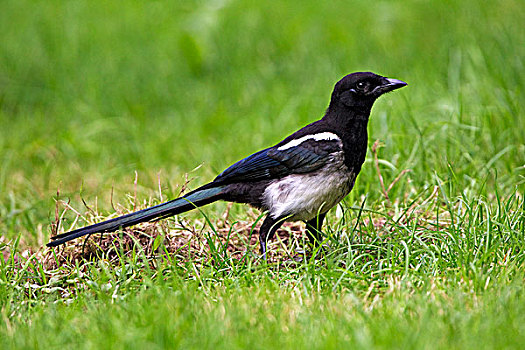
{"x": 304, "y": 196}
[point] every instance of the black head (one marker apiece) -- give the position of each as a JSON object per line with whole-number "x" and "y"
{"x": 358, "y": 91}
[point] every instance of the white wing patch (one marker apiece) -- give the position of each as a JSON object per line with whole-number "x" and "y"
{"x": 323, "y": 136}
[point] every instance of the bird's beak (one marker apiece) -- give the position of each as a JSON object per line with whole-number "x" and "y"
{"x": 388, "y": 85}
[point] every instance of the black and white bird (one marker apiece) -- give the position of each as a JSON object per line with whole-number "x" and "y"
{"x": 299, "y": 179}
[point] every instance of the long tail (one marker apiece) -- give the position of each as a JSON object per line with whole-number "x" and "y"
{"x": 192, "y": 200}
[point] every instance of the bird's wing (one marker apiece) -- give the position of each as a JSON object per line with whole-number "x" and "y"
{"x": 295, "y": 157}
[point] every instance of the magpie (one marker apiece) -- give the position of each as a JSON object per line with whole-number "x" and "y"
{"x": 299, "y": 179}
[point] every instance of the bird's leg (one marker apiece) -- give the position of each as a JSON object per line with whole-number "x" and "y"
{"x": 313, "y": 229}
{"x": 267, "y": 231}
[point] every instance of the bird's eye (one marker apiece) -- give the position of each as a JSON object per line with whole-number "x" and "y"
{"x": 361, "y": 85}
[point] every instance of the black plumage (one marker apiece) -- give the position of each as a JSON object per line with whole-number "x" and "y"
{"x": 300, "y": 178}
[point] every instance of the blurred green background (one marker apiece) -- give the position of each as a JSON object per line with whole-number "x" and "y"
{"x": 92, "y": 91}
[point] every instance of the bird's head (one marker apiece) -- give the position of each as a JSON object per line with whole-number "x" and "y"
{"x": 358, "y": 91}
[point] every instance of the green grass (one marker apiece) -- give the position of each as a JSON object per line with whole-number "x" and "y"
{"x": 94, "y": 93}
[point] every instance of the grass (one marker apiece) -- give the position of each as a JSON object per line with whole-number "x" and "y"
{"x": 124, "y": 104}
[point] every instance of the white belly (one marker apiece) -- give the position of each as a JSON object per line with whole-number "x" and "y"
{"x": 304, "y": 196}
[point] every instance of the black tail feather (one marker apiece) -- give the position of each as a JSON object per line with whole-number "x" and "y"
{"x": 197, "y": 198}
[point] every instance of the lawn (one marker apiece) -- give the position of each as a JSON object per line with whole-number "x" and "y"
{"x": 108, "y": 107}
